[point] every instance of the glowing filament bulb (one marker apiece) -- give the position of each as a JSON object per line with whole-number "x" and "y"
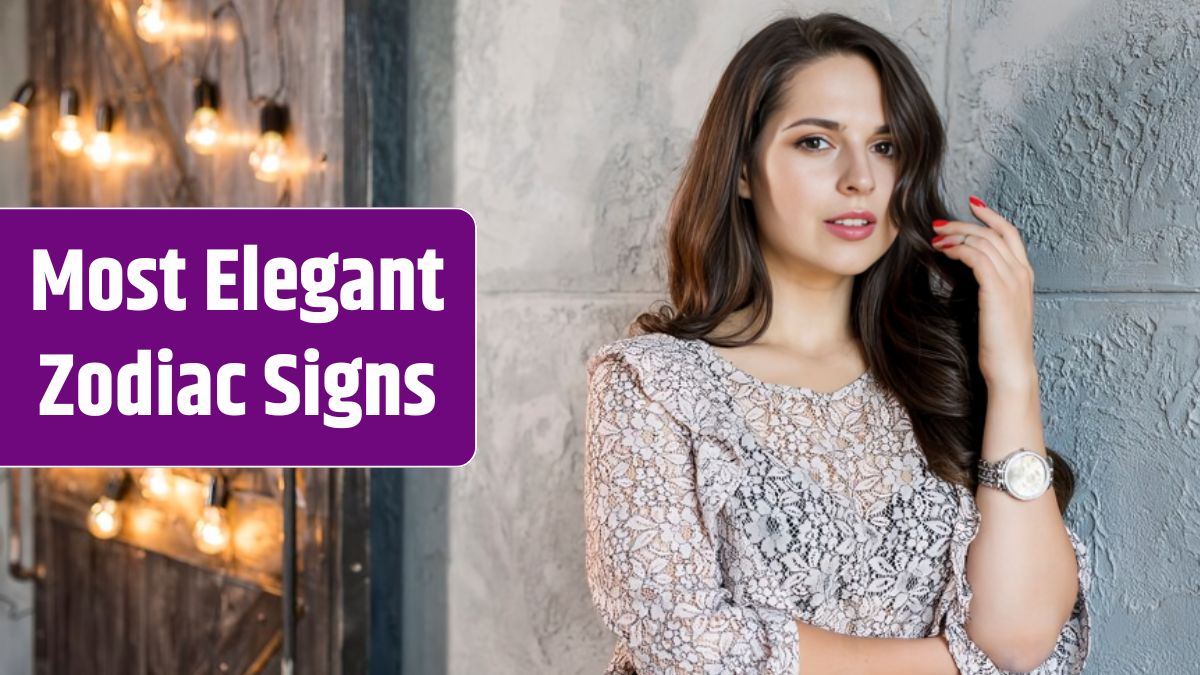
{"x": 269, "y": 157}
{"x": 104, "y": 519}
{"x": 152, "y": 21}
{"x": 67, "y": 137}
{"x": 212, "y": 531}
{"x": 157, "y": 484}
{"x": 13, "y": 115}
{"x": 204, "y": 132}
{"x": 100, "y": 149}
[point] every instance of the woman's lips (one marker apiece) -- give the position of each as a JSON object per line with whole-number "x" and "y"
{"x": 850, "y": 233}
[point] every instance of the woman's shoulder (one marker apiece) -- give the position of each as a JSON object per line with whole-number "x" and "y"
{"x": 651, "y": 355}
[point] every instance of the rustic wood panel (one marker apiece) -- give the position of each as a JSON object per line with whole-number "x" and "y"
{"x": 112, "y": 608}
{"x": 91, "y": 45}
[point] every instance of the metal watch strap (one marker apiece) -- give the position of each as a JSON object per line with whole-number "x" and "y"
{"x": 991, "y": 474}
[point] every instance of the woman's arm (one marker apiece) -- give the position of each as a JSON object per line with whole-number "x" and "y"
{"x": 1023, "y": 577}
{"x": 827, "y": 653}
{"x": 1021, "y": 566}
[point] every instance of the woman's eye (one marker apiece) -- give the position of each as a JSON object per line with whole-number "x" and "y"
{"x": 811, "y": 143}
{"x": 889, "y": 148}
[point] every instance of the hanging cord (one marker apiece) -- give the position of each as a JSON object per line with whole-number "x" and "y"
{"x": 229, "y": 7}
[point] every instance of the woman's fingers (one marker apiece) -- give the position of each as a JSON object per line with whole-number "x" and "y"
{"x": 984, "y": 259}
{"x": 956, "y": 232}
{"x": 1008, "y": 232}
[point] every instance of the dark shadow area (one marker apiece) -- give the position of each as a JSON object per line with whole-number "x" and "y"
{"x": 399, "y": 83}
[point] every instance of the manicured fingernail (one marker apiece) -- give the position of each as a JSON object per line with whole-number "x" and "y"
{"x": 976, "y": 201}
{"x": 940, "y": 223}
{"x": 937, "y": 239}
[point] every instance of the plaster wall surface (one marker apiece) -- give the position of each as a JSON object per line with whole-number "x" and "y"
{"x": 562, "y": 128}
{"x": 16, "y": 597}
{"x": 14, "y": 61}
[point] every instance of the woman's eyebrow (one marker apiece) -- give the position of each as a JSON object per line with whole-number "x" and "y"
{"x": 829, "y": 124}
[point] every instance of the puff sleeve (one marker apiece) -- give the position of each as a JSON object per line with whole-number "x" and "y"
{"x": 1071, "y": 649}
{"x": 651, "y": 559}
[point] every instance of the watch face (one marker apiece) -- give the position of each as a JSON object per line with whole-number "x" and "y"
{"x": 1025, "y": 476}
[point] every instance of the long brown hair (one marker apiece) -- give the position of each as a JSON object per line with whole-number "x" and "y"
{"x": 915, "y": 311}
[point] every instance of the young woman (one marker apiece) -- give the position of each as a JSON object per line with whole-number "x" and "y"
{"x": 827, "y": 455}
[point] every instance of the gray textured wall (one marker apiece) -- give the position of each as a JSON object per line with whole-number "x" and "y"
{"x": 14, "y": 59}
{"x": 16, "y": 600}
{"x": 562, "y": 126}
{"x": 16, "y": 597}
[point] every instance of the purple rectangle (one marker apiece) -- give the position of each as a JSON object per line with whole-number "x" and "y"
{"x": 445, "y": 338}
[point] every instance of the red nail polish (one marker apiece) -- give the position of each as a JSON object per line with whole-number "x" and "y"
{"x": 940, "y": 223}
{"x": 976, "y": 201}
{"x": 937, "y": 239}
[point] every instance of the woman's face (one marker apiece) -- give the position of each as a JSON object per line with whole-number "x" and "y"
{"x": 824, "y": 155}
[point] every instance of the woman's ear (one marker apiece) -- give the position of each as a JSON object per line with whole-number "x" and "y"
{"x": 743, "y": 184}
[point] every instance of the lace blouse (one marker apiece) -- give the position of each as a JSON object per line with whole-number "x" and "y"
{"x": 720, "y": 509}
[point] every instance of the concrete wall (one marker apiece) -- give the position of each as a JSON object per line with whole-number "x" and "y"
{"x": 14, "y": 59}
{"x": 16, "y": 598}
{"x": 562, "y": 128}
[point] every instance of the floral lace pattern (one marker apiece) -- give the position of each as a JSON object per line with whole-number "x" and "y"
{"x": 721, "y": 509}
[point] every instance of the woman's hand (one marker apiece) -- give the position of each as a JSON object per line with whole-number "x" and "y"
{"x": 996, "y": 255}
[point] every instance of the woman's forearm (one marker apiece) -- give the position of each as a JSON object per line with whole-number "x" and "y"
{"x": 824, "y": 652}
{"x": 1021, "y": 566}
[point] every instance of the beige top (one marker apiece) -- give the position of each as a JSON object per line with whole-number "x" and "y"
{"x": 720, "y": 509}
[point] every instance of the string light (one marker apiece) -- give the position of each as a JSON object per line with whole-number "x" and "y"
{"x": 269, "y": 157}
{"x": 212, "y": 532}
{"x": 204, "y": 132}
{"x": 67, "y": 137}
{"x": 100, "y": 150}
{"x": 152, "y": 21}
{"x": 105, "y": 518}
{"x": 12, "y": 116}
{"x": 157, "y": 484}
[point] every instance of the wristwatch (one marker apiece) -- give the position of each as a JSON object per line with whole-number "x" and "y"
{"x": 1024, "y": 474}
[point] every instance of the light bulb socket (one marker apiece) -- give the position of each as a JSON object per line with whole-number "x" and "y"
{"x": 218, "y": 492}
{"x": 274, "y": 118}
{"x": 206, "y": 95}
{"x": 104, "y": 118}
{"x": 118, "y": 486}
{"x": 68, "y": 102}
{"x": 25, "y": 93}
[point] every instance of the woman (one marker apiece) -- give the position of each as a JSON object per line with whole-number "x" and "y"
{"x": 798, "y": 466}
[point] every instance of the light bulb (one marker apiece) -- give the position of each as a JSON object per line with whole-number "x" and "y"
{"x": 152, "y": 21}
{"x": 204, "y": 132}
{"x": 67, "y": 137}
{"x": 13, "y": 115}
{"x": 212, "y": 531}
{"x": 157, "y": 484}
{"x": 269, "y": 157}
{"x": 104, "y": 519}
{"x": 100, "y": 149}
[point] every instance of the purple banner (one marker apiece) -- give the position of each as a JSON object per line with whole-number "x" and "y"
{"x": 338, "y": 337}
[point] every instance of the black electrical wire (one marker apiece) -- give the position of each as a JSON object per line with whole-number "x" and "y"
{"x": 289, "y": 572}
{"x": 231, "y": 8}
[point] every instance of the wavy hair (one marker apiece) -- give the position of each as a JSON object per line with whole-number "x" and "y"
{"x": 915, "y": 311}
